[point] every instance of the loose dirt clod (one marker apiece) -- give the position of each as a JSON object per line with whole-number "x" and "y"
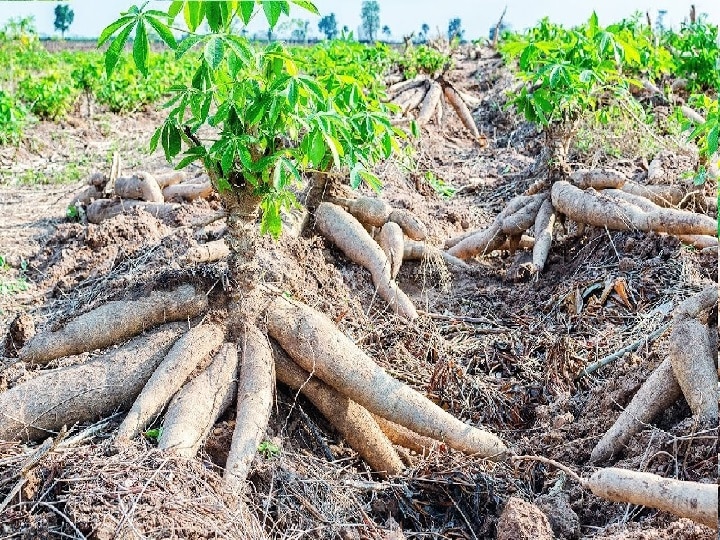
{"x": 112, "y": 323}
{"x": 256, "y": 383}
{"x": 693, "y": 500}
{"x": 521, "y": 520}
{"x": 85, "y": 391}
{"x": 197, "y": 406}
{"x": 317, "y": 346}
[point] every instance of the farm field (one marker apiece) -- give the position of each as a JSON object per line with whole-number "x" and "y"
{"x": 446, "y": 290}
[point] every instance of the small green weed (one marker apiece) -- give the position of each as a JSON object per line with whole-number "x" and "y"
{"x": 268, "y": 449}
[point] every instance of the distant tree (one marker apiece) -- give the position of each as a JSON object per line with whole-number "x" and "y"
{"x": 328, "y": 26}
{"x": 386, "y": 31}
{"x": 424, "y": 31}
{"x": 64, "y": 17}
{"x": 455, "y": 29}
{"x": 346, "y": 29}
{"x": 370, "y": 15}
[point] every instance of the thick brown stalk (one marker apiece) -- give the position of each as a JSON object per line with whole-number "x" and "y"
{"x": 112, "y": 323}
{"x": 348, "y": 234}
{"x": 693, "y": 500}
{"x": 141, "y": 186}
{"x": 544, "y": 224}
{"x": 187, "y": 352}
{"x": 195, "y": 408}
{"x": 429, "y": 103}
{"x": 256, "y": 384}
{"x": 83, "y": 392}
{"x": 102, "y": 209}
{"x": 353, "y": 422}
{"x": 658, "y": 392}
{"x": 454, "y": 99}
{"x": 313, "y": 341}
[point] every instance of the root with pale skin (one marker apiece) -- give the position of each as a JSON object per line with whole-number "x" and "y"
{"x": 196, "y": 407}
{"x": 406, "y": 438}
{"x": 352, "y": 421}
{"x": 187, "y": 191}
{"x": 312, "y": 341}
{"x": 197, "y": 344}
{"x": 255, "y": 386}
{"x": 141, "y": 186}
{"x": 112, "y": 323}
{"x": 544, "y": 224}
{"x": 693, "y": 359}
{"x": 429, "y": 103}
{"x": 85, "y": 391}
{"x": 392, "y": 242}
{"x": 348, "y": 234}
{"x": 102, "y": 209}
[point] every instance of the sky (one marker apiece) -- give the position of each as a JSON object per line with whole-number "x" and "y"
{"x": 402, "y": 16}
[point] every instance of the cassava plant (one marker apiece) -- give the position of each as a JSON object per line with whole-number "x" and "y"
{"x": 568, "y": 73}
{"x": 259, "y": 126}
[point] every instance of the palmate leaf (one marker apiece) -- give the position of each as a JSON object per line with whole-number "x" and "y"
{"x": 141, "y": 47}
{"x": 112, "y": 55}
{"x": 163, "y": 31}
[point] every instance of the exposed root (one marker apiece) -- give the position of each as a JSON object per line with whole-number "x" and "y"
{"x": 312, "y": 341}
{"x": 141, "y": 186}
{"x": 392, "y": 242}
{"x": 214, "y": 251}
{"x": 429, "y": 103}
{"x": 353, "y": 422}
{"x": 187, "y": 191}
{"x": 544, "y": 224}
{"x": 83, "y": 392}
{"x": 196, "y": 345}
{"x": 598, "y": 178}
{"x": 103, "y": 209}
{"x": 405, "y": 437}
{"x": 454, "y": 99}
{"x": 255, "y": 397}
{"x": 112, "y": 323}
{"x": 197, "y": 406}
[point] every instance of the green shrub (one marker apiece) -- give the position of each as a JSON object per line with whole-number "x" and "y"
{"x": 13, "y": 119}
{"x": 50, "y": 96}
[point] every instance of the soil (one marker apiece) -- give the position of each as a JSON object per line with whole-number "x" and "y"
{"x": 493, "y": 347}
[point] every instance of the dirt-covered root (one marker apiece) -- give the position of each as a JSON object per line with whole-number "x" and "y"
{"x": 699, "y": 241}
{"x": 356, "y": 425}
{"x": 658, "y": 392}
{"x": 429, "y": 103}
{"x": 618, "y": 210}
{"x": 413, "y": 251}
{"x": 662, "y": 195}
{"x": 313, "y": 341}
{"x": 114, "y": 322}
{"x": 187, "y": 191}
{"x": 392, "y": 242}
{"x": 692, "y": 500}
{"x": 598, "y": 178}
{"x": 256, "y": 383}
{"x": 214, "y": 251}
{"x": 184, "y": 356}
{"x": 693, "y": 366}
{"x": 83, "y": 392}
{"x": 196, "y": 407}
{"x": 346, "y": 232}
{"x": 169, "y": 178}
{"x": 373, "y": 212}
{"x": 409, "y": 100}
{"x": 103, "y": 209}
{"x": 692, "y": 358}
{"x": 457, "y": 103}
{"x": 484, "y": 241}
{"x": 141, "y": 186}
{"x": 518, "y": 222}
{"x": 544, "y": 225}
{"x": 406, "y": 438}
{"x": 398, "y": 88}
{"x": 86, "y": 196}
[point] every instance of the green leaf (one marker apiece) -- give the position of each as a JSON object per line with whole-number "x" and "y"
{"x": 155, "y": 139}
{"x": 213, "y": 15}
{"x": 355, "y": 178}
{"x": 171, "y": 141}
{"x": 186, "y": 44}
{"x": 316, "y": 152}
{"x": 228, "y": 160}
{"x": 112, "y": 55}
{"x": 194, "y": 13}
{"x": 214, "y": 51}
{"x": 273, "y": 9}
{"x": 712, "y": 140}
{"x": 270, "y": 222}
{"x": 175, "y": 8}
{"x": 335, "y": 148}
{"x": 112, "y": 28}
{"x": 141, "y": 47}
{"x": 414, "y": 129}
{"x": 246, "y": 9}
{"x": 306, "y": 5}
{"x": 163, "y": 31}
{"x": 223, "y": 185}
